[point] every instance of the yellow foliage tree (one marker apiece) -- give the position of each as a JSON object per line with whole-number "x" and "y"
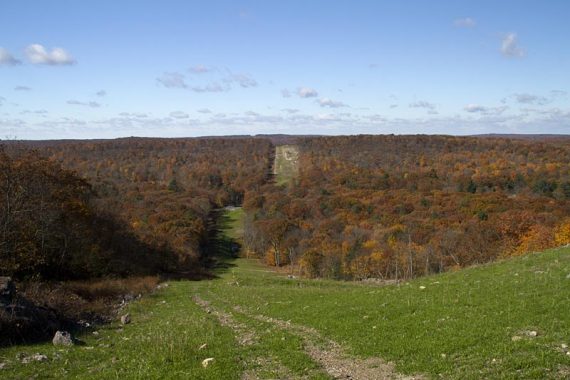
{"x": 562, "y": 233}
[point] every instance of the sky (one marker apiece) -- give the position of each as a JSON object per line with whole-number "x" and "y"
{"x": 106, "y": 69}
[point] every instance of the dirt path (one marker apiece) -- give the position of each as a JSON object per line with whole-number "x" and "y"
{"x": 244, "y": 335}
{"x": 255, "y": 369}
{"x": 332, "y": 357}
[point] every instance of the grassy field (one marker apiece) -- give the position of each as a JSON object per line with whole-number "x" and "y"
{"x": 286, "y": 160}
{"x": 471, "y": 324}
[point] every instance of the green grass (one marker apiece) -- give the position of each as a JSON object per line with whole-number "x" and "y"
{"x": 459, "y": 326}
{"x": 162, "y": 342}
{"x": 286, "y": 161}
{"x": 234, "y": 223}
{"x": 456, "y": 326}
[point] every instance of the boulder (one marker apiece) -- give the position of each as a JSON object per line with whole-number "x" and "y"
{"x": 62, "y": 338}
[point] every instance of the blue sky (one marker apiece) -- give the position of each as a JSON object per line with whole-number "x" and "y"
{"x": 103, "y": 69}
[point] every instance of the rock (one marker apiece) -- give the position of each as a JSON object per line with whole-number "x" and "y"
{"x": 422, "y": 287}
{"x": 516, "y": 338}
{"x": 126, "y": 319}
{"x": 62, "y": 338}
{"x": 532, "y": 333}
{"x": 206, "y": 362}
{"x": 2, "y": 365}
{"x": 290, "y": 276}
{"x": 7, "y": 291}
{"x": 34, "y": 358}
{"x": 204, "y": 346}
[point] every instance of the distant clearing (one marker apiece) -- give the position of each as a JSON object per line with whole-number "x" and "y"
{"x": 286, "y": 164}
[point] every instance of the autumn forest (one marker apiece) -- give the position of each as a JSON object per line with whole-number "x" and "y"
{"x": 386, "y": 207}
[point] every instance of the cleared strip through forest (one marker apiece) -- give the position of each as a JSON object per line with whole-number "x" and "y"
{"x": 286, "y": 164}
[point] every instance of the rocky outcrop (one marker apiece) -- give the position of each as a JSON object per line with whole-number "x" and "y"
{"x": 20, "y": 319}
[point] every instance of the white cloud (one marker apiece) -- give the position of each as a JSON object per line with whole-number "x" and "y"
{"x": 38, "y": 55}
{"x": 510, "y": 46}
{"x": 41, "y": 112}
{"x": 74, "y": 102}
{"x": 422, "y": 104}
{"x": 466, "y": 22}
{"x": 222, "y": 84}
{"x": 483, "y": 110}
{"x": 134, "y": 115}
{"x": 327, "y": 102}
{"x": 22, "y": 88}
{"x": 8, "y": 59}
{"x": 172, "y": 80}
{"x": 307, "y": 92}
{"x": 204, "y": 110}
{"x": 210, "y": 87}
{"x": 531, "y": 99}
{"x": 474, "y": 108}
{"x": 558, "y": 93}
{"x": 101, "y": 93}
{"x": 243, "y": 80}
{"x": 199, "y": 69}
{"x": 179, "y": 115}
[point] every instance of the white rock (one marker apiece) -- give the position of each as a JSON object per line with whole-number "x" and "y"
{"x": 422, "y": 287}
{"x": 62, "y": 338}
{"x": 206, "y": 362}
{"x": 205, "y": 345}
{"x": 126, "y": 319}
{"x": 35, "y": 358}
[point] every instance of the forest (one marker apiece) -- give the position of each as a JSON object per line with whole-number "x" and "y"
{"x": 396, "y": 207}
{"x": 82, "y": 209}
{"x": 384, "y": 207}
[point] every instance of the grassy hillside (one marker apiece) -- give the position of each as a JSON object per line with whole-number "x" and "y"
{"x": 470, "y": 324}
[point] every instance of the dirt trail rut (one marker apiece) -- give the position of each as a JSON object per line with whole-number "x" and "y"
{"x": 245, "y": 336}
{"x": 331, "y": 356}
